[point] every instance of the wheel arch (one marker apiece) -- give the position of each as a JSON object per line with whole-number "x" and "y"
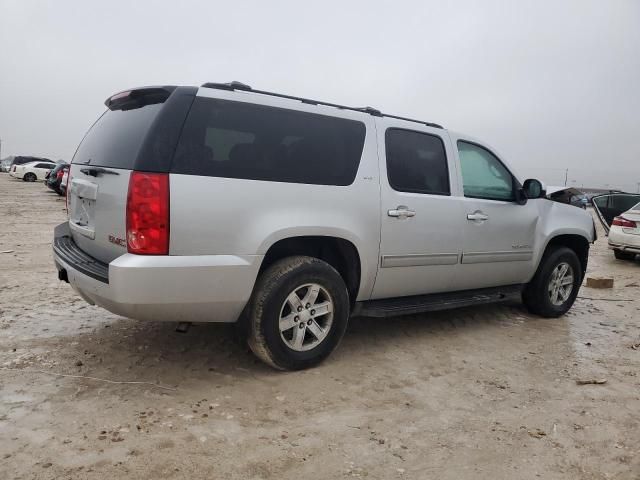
{"x": 340, "y": 253}
{"x": 576, "y": 242}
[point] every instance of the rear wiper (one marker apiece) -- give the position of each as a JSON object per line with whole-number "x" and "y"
{"x": 95, "y": 171}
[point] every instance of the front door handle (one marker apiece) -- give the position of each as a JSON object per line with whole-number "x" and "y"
{"x": 477, "y": 216}
{"x": 401, "y": 212}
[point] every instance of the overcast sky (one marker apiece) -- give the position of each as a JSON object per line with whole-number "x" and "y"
{"x": 550, "y": 84}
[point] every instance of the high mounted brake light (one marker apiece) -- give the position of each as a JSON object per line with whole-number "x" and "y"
{"x": 148, "y": 214}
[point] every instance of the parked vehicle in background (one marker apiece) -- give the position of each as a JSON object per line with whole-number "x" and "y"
{"x": 30, "y": 172}
{"x": 5, "y": 164}
{"x": 65, "y": 180}
{"x": 568, "y": 195}
{"x": 580, "y": 200}
{"x": 53, "y": 179}
{"x": 619, "y": 214}
{"x": 21, "y": 160}
{"x": 288, "y": 215}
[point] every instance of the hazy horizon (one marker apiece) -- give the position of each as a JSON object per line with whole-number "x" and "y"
{"x": 551, "y": 85}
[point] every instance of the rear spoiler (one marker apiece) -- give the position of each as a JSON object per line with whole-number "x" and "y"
{"x": 138, "y": 97}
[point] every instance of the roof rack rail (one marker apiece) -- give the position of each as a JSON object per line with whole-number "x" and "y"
{"x": 231, "y": 86}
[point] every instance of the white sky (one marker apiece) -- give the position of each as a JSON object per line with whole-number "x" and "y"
{"x": 550, "y": 84}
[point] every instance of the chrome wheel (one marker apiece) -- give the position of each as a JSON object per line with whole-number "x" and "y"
{"x": 306, "y": 317}
{"x": 560, "y": 284}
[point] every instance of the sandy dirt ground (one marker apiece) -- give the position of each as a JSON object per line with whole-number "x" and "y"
{"x": 487, "y": 392}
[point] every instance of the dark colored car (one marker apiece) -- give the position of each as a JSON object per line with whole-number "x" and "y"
{"x": 53, "y": 179}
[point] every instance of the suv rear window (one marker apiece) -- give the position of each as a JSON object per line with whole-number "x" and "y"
{"x": 115, "y": 139}
{"x": 241, "y": 140}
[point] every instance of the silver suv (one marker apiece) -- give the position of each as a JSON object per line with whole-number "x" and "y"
{"x": 288, "y": 215}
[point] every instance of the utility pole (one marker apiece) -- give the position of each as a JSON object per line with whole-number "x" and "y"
{"x": 566, "y": 176}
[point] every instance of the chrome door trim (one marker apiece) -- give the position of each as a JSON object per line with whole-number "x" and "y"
{"x": 490, "y": 257}
{"x": 418, "y": 260}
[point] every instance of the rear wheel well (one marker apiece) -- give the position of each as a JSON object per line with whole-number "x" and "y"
{"x": 341, "y": 254}
{"x": 577, "y": 243}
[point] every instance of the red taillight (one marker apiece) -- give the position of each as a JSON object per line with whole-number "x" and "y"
{"x": 60, "y": 174}
{"x": 148, "y": 214}
{"x": 623, "y": 222}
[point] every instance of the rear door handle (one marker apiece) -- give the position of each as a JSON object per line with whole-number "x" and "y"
{"x": 401, "y": 212}
{"x": 477, "y": 216}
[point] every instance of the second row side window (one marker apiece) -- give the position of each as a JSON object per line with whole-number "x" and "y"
{"x": 416, "y": 162}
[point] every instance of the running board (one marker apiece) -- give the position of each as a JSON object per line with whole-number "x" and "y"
{"x": 391, "y": 307}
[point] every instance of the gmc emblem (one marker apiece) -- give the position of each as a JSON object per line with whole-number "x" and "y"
{"x": 118, "y": 241}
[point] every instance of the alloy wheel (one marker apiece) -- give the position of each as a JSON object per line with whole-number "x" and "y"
{"x": 306, "y": 317}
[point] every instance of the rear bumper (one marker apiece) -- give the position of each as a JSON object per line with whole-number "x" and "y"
{"x": 624, "y": 248}
{"x": 626, "y": 242}
{"x": 203, "y": 288}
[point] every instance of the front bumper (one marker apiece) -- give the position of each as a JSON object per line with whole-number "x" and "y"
{"x": 203, "y": 288}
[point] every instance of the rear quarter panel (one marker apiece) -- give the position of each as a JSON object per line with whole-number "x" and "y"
{"x": 226, "y": 216}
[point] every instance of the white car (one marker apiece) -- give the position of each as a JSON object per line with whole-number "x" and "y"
{"x": 624, "y": 236}
{"x": 30, "y": 172}
{"x": 620, "y": 216}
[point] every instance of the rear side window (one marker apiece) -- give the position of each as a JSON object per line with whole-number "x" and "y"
{"x": 115, "y": 139}
{"x": 241, "y": 140}
{"x": 416, "y": 162}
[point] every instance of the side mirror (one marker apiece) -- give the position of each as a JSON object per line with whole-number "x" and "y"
{"x": 533, "y": 188}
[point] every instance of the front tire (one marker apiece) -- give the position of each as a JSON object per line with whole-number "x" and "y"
{"x": 620, "y": 255}
{"x": 298, "y": 313}
{"x": 29, "y": 177}
{"x": 555, "y": 285}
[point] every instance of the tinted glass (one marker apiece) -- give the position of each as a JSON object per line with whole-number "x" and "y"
{"x": 612, "y": 205}
{"x": 115, "y": 139}
{"x": 623, "y": 202}
{"x": 241, "y": 140}
{"x": 483, "y": 175}
{"x": 601, "y": 202}
{"x": 416, "y": 162}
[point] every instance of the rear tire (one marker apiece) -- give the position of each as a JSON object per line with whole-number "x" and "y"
{"x": 284, "y": 329}
{"x": 30, "y": 177}
{"x": 550, "y": 294}
{"x": 620, "y": 255}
